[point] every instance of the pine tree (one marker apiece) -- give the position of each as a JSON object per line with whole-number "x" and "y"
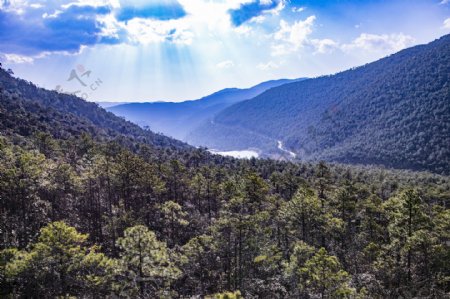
{"x": 59, "y": 264}
{"x": 325, "y": 276}
{"x": 146, "y": 265}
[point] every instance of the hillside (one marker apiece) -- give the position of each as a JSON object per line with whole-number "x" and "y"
{"x": 393, "y": 112}
{"x": 179, "y": 119}
{"x": 26, "y": 109}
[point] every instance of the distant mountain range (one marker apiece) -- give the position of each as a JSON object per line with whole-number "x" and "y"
{"x": 179, "y": 119}
{"x": 393, "y": 112}
{"x": 105, "y": 105}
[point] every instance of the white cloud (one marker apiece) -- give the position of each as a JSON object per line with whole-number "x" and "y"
{"x": 17, "y": 59}
{"x": 225, "y": 64}
{"x": 203, "y": 18}
{"x": 268, "y": 66}
{"x": 265, "y": 2}
{"x": 297, "y": 33}
{"x": 280, "y": 49}
{"x": 211, "y": 15}
{"x": 110, "y": 26}
{"x": 18, "y": 6}
{"x": 445, "y": 1}
{"x": 446, "y": 24}
{"x": 36, "y": 5}
{"x": 94, "y": 3}
{"x": 298, "y": 9}
{"x": 294, "y": 36}
{"x": 259, "y": 19}
{"x": 54, "y": 15}
{"x": 383, "y": 42}
{"x": 146, "y": 31}
{"x": 276, "y": 11}
{"x": 324, "y": 45}
{"x": 243, "y": 30}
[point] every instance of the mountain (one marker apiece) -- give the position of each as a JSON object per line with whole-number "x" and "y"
{"x": 105, "y": 105}
{"x": 179, "y": 119}
{"x": 393, "y": 112}
{"x": 92, "y": 206}
{"x": 26, "y": 109}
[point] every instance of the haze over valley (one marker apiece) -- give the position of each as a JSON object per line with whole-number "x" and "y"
{"x": 340, "y": 118}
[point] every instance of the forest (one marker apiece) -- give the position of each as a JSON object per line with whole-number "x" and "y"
{"x": 393, "y": 112}
{"x": 93, "y": 206}
{"x": 87, "y": 219}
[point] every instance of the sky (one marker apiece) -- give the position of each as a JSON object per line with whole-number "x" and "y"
{"x": 174, "y": 50}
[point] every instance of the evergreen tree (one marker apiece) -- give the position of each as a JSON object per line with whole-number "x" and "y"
{"x": 147, "y": 266}
{"x": 325, "y": 276}
{"x": 58, "y": 264}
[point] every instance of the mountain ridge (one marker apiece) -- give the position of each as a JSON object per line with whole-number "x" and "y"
{"x": 385, "y": 112}
{"x": 177, "y": 119}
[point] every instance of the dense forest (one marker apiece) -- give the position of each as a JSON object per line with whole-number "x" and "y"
{"x": 93, "y": 206}
{"x": 393, "y": 112}
{"x": 25, "y": 109}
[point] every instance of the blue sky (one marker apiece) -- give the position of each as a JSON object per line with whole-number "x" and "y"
{"x": 173, "y": 50}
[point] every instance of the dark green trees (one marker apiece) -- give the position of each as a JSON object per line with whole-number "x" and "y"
{"x": 325, "y": 276}
{"x": 146, "y": 265}
{"x": 165, "y": 224}
{"x": 58, "y": 264}
{"x": 416, "y": 242}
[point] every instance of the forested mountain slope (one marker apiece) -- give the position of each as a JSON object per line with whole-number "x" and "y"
{"x": 94, "y": 207}
{"x": 393, "y": 112}
{"x": 179, "y": 119}
{"x": 26, "y": 109}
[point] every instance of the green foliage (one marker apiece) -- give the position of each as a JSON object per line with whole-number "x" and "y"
{"x": 303, "y": 213}
{"x": 325, "y": 276}
{"x": 58, "y": 264}
{"x": 393, "y": 112}
{"x": 227, "y": 295}
{"x": 249, "y": 225}
{"x": 173, "y": 218}
{"x": 146, "y": 264}
{"x": 415, "y": 240}
{"x": 293, "y": 267}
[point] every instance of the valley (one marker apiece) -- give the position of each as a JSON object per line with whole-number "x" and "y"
{"x": 337, "y": 118}
{"x": 391, "y": 112}
{"x": 245, "y": 154}
{"x": 283, "y": 149}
